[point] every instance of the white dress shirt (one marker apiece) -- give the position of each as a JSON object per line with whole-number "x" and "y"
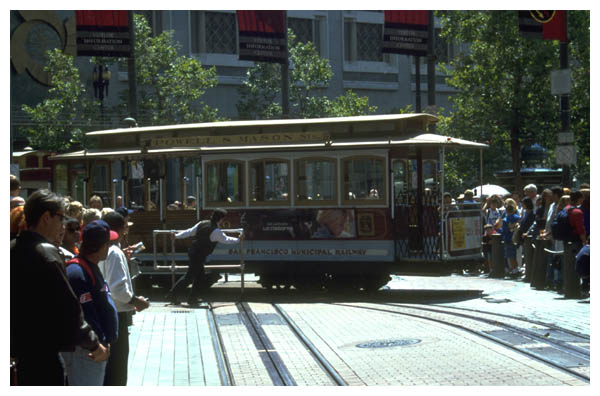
{"x": 116, "y": 273}
{"x": 216, "y": 236}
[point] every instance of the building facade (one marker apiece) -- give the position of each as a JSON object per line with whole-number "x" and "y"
{"x": 350, "y": 40}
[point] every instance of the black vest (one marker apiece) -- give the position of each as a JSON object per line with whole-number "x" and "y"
{"x": 202, "y": 244}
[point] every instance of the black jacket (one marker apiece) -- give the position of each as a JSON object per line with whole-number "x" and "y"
{"x": 45, "y": 315}
{"x": 525, "y": 223}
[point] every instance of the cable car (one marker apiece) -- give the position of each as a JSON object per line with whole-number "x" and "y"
{"x": 325, "y": 203}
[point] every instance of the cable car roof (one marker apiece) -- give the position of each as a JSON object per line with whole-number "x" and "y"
{"x": 254, "y": 124}
{"x": 382, "y": 131}
{"x": 439, "y": 140}
{"x": 429, "y": 140}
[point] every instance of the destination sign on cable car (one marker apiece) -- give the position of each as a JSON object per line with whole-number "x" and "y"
{"x": 241, "y": 140}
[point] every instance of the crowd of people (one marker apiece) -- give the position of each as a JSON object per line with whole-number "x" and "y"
{"x": 557, "y": 214}
{"x": 72, "y": 304}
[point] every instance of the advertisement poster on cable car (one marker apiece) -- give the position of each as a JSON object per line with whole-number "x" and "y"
{"x": 464, "y": 232}
{"x": 311, "y": 234}
{"x": 299, "y": 224}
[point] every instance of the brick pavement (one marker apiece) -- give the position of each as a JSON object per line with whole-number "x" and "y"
{"x": 444, "y": 355}
{"x": 172, "y": 346}
{"x": 513, "y": 297}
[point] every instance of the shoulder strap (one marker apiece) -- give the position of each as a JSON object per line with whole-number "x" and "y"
{"x": 83, "y": 264}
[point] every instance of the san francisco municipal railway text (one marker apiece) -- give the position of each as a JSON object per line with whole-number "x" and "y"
{"x": 300, "y": 252}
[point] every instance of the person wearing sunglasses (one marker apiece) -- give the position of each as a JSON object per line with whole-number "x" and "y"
{"x": 71, "y": 237}
{"x": 45, "y": 315}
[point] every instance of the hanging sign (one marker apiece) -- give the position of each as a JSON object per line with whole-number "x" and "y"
{"x": 262, "y": 36}
{"x": 547, "y": 25}
{"x": 566, "y": 155}
{"x": 406, "y": 32}
{"x": 103, "y": 33}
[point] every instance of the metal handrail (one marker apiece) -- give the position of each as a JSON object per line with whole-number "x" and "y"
{"x": 174, "y": 267}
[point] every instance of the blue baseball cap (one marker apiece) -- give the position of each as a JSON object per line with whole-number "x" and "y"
{"x": 97, "y": 233}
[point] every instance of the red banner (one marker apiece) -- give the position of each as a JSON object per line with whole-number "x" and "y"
{"x": 101, "y": 18}
{"x": 407, "y": 17}
{"x": 103, "y": 33}
{"x": 547, "y": 25}
{"x": 261, "y": 21}
{"x": 262, "y": 36}
{"x": 556, "y": 28}
{"x": 406, "y": 32}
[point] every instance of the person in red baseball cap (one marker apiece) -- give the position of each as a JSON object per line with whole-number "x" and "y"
{"x": 94, "y": 296}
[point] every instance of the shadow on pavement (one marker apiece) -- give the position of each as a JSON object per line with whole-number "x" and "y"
{"x": 416, "y": 296}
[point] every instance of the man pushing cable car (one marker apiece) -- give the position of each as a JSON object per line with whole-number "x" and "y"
{"x": 206, "y": 234}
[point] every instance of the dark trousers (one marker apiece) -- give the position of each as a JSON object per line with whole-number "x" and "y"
{"x": 43, "y": 369}
{"x": 194, "y": 275}
{"x": 116, "y": 367}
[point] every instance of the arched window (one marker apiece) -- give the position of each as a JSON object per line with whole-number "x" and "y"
{"x": 269, "y": 181}
{"x": 316, "y": 181}
{"x": 363, "y": 179}
{"x": 225, "y": 183}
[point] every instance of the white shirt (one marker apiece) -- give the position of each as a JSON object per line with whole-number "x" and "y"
{"x": 550, "y": 216}
{"x": 116, "y": 273}
{"x": 216, "y": 236}
{"x": 492, "y": 215}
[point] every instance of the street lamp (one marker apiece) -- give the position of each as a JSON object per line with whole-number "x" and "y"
{"x": 101, "y": 79}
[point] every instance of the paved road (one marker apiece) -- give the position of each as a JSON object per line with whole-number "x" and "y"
{"x": 512, "y": 297}
{"x": 172, "y": 345}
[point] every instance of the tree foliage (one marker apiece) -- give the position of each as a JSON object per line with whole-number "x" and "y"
{"x": 59, "y": 120}
{"x": 503, "y": 84}
{"x": 579, "y": 100}
{"x": 169, "y": 86}
{"x": 309, "y": 74}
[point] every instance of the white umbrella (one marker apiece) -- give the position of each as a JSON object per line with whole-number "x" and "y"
{"x": 489, "y": 189}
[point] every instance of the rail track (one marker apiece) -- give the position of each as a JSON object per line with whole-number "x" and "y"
{"x": 273, "y": 362}
{"x": 550, "y": 344}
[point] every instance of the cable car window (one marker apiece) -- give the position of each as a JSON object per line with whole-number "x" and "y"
{"x": 224, "y": 183}
{"x": 364, "y": 179}
{"x": 430, "y": 174}
{"x": 269, "y": 181}
{"x": 137, "y": 195}
{"x": 193, "y": 183}
{"x": 61, "y": 179}
{"x": 400, "y": 180}
{"x": 100, "y": 186}
{"x": 145, "y": 184}
{"x": 174, "y": 198}
{"x": 78, "y": 175}
{"x": 316, "y": 180}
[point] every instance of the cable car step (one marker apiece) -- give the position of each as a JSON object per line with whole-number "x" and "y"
{"x": 224, "y": 266}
